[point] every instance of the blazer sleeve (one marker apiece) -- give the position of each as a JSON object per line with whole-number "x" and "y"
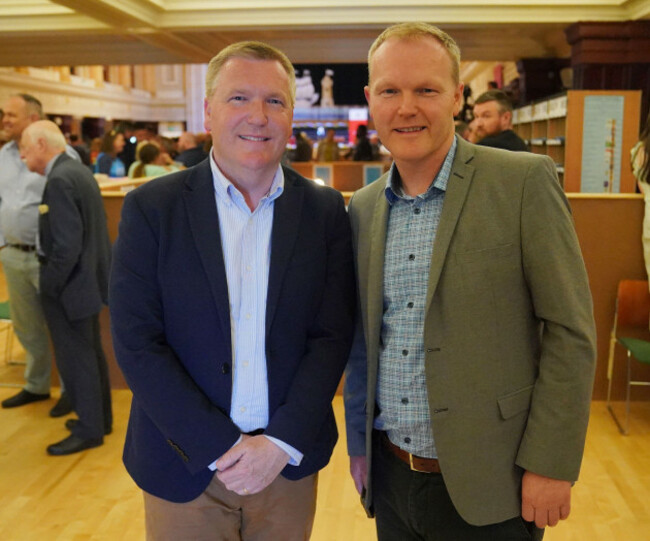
{"x": 299, "y": 420}
{"x": 164, "y": 390}
{"x": 64, "y": 226}
{"x": 553, "y": 441}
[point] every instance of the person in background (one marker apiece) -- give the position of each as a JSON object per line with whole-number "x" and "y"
{"x": 328, "y": 148}
{"x": 304, "y": 149}
{"x": 80, "y": 148}
{"x": 640, "y": 161}
{"x": 95, "y": 149}
{"x": 190, "y": 151}
{"x": 468, "y": 389}
{"x": 74, "y": 253}
{"x": 3, "y": 135}
{"x": 152, "y": 162}
{"x": 363, "y": 150}
{"x": 20, "y": 194}
{"x": 107, "y": 161}
{"x": 493, "y": 122}
{"x": 232, "y": 307}
{"x": 127, "y": 155}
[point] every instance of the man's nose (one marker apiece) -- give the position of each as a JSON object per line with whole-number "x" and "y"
{"x": 257, "y": 112}
{"x": 407, "y": 104}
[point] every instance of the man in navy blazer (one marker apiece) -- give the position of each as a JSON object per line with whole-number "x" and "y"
{"x": 232, "y": 306}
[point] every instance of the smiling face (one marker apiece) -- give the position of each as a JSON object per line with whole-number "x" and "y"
{"x": 17, "y": 117}
{"x": 249, "y": 116}
{"x": 413, "y": 98}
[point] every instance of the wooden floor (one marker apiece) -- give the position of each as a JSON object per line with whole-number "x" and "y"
{"x": 90, "y": 496}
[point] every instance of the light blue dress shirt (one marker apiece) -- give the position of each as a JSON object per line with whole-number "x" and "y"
{"x": 21, "y": 191}
{"x": 246, "y": 247}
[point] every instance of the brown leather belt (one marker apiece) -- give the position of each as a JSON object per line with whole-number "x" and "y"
{"x": 416, "y": 463}
{"x": 23, "y": 247}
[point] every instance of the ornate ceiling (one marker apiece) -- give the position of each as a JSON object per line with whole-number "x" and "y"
{"x": 86, "y": 32}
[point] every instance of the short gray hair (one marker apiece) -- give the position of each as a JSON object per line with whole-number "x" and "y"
{"x": 48, "y": 131}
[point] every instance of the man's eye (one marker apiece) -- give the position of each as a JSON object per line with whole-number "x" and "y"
{"x": 237, "y": 98}
{"x": 276, "y": 101}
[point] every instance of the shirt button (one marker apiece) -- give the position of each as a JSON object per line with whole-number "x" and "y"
{"x": 242, "y": 409}
{"x": 248, "y": 316}
{"x": 245, "y": 364}
{"x": 411, "y": 257}
{"x": 248, "y": 268}
{"x": 410, "y": 305}
{"x": 407, "y": 440}
{"x": 405, "y": 400}
{"x": 417, "y": 211}
{"x": 405, "y": 352}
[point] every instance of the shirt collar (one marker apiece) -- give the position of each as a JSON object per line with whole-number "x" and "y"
{"x": 394, "y": 190}
{"x": 229, "y": 193}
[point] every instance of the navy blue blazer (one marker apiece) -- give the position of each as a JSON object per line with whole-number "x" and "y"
{"x": 171, "y": 327}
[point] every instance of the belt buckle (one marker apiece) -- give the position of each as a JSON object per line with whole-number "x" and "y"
{"x": 413, "y": 468}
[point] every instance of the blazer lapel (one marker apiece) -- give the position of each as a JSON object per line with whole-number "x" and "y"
{"x": 287, "y": 213}
{"x": 201, "y": 208}
{"x": 375, "y": 273}
{"x": 457, "y": 190}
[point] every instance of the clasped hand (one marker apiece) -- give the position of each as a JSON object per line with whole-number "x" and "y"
{"x": 251, "y": 465}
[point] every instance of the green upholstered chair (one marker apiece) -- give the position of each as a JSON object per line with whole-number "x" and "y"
{"x": 632, "y": 314}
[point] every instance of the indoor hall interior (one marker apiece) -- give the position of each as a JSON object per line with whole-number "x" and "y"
{"x": 72, "y": 55}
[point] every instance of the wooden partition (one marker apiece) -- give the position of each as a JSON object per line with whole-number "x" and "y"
{"x": 609, "y": 230}
{"x": 347, "y": 176}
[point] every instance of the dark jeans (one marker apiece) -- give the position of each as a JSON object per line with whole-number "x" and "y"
{"x": 414, "y": 506}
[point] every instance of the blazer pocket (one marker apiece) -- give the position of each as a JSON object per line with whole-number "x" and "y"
{"x": 516, "y": 402}
{"x": 486, "y": 254}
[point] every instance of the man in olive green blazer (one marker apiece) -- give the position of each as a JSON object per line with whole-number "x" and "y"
{"x": 508, "y": 338}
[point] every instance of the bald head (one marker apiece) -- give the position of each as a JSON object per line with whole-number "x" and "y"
{"x": 40, "y": 142}
{"x": 186, "y": 141}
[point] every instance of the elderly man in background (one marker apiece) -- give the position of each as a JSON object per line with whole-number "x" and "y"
{"x": 190, "y": 152}
{"x": 493, "y": 122}
{"x": 75, "y": 260}
{"x": 21, "y": 192}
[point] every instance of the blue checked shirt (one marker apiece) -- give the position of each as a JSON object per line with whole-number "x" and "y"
{"x": 401, "y": 386}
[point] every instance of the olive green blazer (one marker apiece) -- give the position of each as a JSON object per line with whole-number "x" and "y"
{"x": 509, "y": 333}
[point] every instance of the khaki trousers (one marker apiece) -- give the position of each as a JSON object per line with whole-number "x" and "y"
{"x": 283, "y": 510}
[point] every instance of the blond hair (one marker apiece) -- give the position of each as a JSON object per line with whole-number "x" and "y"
{"x": 405, "y": 31}
{"x": 252, "y": 50}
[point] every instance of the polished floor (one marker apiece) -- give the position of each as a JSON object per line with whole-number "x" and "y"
{"x": 89, "y": 496}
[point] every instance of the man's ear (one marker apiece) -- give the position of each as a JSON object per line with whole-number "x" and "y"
{"x": 207, "y": 112}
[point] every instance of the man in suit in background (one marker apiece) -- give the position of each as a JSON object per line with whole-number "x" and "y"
{"x": 493, "y": 122}
{"x": 190, "y": 151}
{"x": 232, "y": 307}
{"x": 75, "y": 259}
{"x": 468, "y": 389}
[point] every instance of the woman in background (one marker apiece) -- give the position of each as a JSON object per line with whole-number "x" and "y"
{"x": 641, "y": 169}
{"x": 153, "y": 162}
{"x": 107, "y": 161}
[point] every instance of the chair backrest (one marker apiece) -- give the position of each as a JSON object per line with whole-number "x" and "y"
{"x": 633, "y": 303}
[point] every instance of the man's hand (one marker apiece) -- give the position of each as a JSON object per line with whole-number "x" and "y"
{"x": 358, "y": 471}
{"x": 251, "y": 465}
{"x": 544, "y": 501}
